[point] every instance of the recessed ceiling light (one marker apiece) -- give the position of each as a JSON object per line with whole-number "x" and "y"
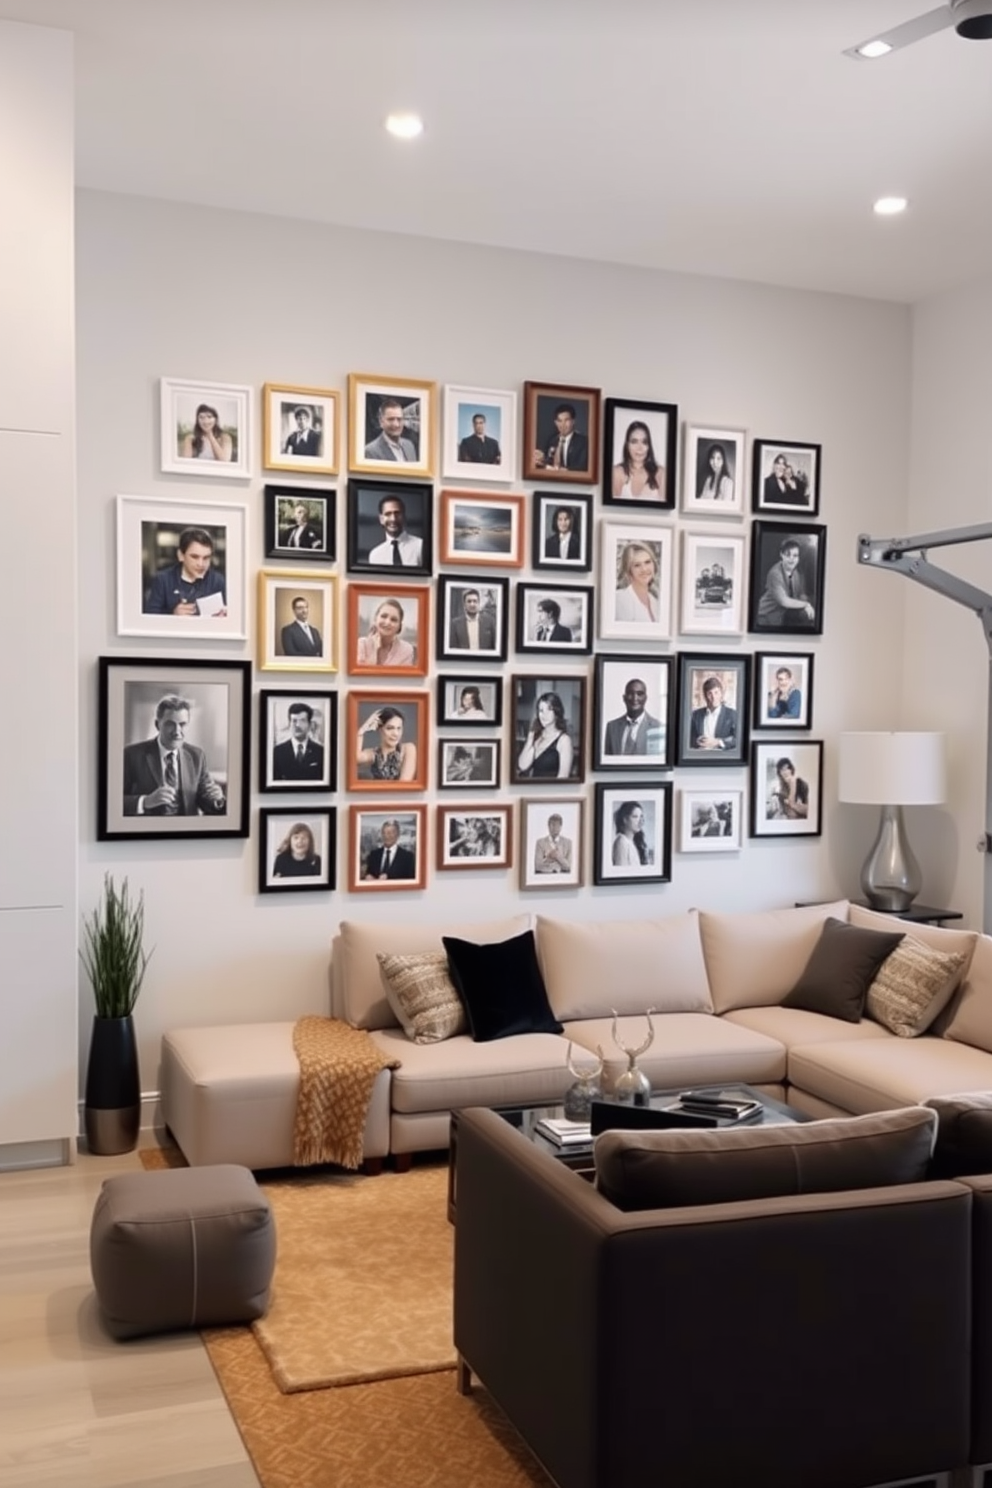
{"x": 405, "y": 126}
{"x": 872, "y": 49}
{"x": 890, "y": 206}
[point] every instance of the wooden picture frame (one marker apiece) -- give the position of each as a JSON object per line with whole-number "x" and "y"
{"x": 387, "y": 753}
{"x": 786, "y": 788}
{"x": 299, "y": 429}
{"x": 300, "y": 523}
{"x": 788, "y": 563}
{"x": 634, "y": 713}
{"x": 370, "y": 829}
{"x": 382, "y": 441}
{"x": 552, "y": 841}
{"x": 381, "y": 513}
{"x": 633, "y": 833}
{"x": 554, "y": 617}
{"x": 476, "y": 836}
{"x": 640, "y": 445}
{"x": 786, "y": 477}
{"x": 480, "y": 434}
{"x": 182, "y": 569}
{"x": 389, "y": 630}
{"x": 291, "y": 601}
{"x": 482, "y": 529}
{"x": 561, "y": 531}
{"x": 783, "y": 689}
{"x": 287, "y": 861}
{"x": 219, "y": 444}
{"x": 561, "y": 422}
{"x": 711, "y": 821}
{"x": 468, "y": 765}
{"x": 547, "y": 728}
{"x": 469, "y": 700}
{"x": 297, "y": 741}
{"x": 456, "y": 608}
{"x": 714, "y": 708}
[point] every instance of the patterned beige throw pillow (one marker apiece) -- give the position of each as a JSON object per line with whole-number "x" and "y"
{"x": 912, "y": 986}
{"x": 422, "y": 995}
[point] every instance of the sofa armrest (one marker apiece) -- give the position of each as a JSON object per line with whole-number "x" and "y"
{"x": 600, "y": 1332}
{"x": 981, "y": 1337}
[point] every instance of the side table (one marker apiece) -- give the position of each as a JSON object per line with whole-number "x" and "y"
{"x": 916, "y": 914}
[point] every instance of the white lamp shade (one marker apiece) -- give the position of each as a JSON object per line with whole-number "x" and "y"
{"x": 893, "y": 769}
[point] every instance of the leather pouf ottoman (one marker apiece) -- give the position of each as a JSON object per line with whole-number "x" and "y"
{"x": 181, "y": 1248}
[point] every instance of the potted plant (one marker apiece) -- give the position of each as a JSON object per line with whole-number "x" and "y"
{"x": 115, "y": 962}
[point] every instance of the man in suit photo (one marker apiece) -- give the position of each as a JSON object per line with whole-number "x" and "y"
{"x": 635, "y": 731}
{"x": 177, "y": 590}
{"x": 563, "y": 543}
{"x": 299, "y": 637}
{"x": 299, "y": 757}
{"x": 392, "y": 443}
{"x": 479, "y": 448}
{"x": 303, "y": 533}
{"x": 390, "y": 860}
{"x": 165, "y": 776}
{"x": 549, "y": 627}
{"x": 305, "y": 439}
{"x": 714, "y": 726}
{"x": 475, "y": 628}
{"x": 400, "y": 548}
{"x": 565, "y": 448}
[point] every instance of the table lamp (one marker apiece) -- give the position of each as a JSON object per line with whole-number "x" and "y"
{"x": 892, "y": 771}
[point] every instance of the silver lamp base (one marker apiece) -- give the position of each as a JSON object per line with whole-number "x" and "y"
{"x": 891, "y": 876}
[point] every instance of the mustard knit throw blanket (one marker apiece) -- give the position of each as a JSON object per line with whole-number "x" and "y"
{"x": 338, "y": 1066}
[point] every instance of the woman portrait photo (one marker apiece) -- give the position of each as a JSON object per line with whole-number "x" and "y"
{"x": 297, "y": 855}
{"x": 209, "y": 422}
{"x": 468, "y": 764}
{"x": 385, "y": 628}
{"x": 630, "y": 846}
{"x": 547, "y": 750}
{"x": 467, "y": 701}
{"x": 639, "y": 453}
{"x": 383, "y": 644}
{"x": 470, "y": 706}
{"x": 392, "y": 758}
{"x": 637, "y": 476}
{"x": 207, "y": 440}
{"x": 788, "y": 798}
{"x": 296, "y": 852}
{"x": 712, "y": 470}
{"x": 633, "y": 834}
{"x": 786, "y": 790}
{"x": 717, "y": 482}
{"x": 635, "y": 568}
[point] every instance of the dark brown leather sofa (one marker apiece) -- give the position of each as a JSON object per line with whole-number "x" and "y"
{"x": 822, "y": 1340}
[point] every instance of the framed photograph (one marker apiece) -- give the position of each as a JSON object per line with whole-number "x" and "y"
{"x": 634, "y": 713}
{"x": 471, "y": 618}
{"x": 467, "y": 701}
{"x": 635, "y": 581}
{"x": 786, "y": 788}
{"x": 479, "y": 528}
{"x": 480, "y": 433}
{"x": 783, "y": 689}
{"x": 639, "y": 451}
{"x": 474, "y": 836}
{"x": 297, "y": 621}
{"x": 296, "y": 849}
{"x": 468, "y": 766}
{"x": 547, "y": 729}
{"x": 391, "y": 425}
{"x": 174, "y": 741}
{"x": 299, "y": 429}
{"x": 388, "y": 629}
{"x": 551, "y": 842}
{"x": 205, "y": 428}
{"x": 554, "y": 617}
{"x": 387, "y": 847}
{"x": 300, "y": 523}
{"x": 561, "y": 433}
{"x": 712, "y": 587}
{"x": 787, "y": 569}
{"x": 297, "y": 740}
{"x": 710, "y": 821}
{"x": 786, "y": 477}
{"x": 713, "y": 471}
{"x": 182, "y": 569}
{"x": 713, "y": 709}
{"x": 561, "y": 531}
{"x": 390, "y": 527}
{"x": 633, "y": 833}
{"x": 387, "y": 741}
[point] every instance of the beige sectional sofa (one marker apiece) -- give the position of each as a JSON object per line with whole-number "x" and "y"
{"x": 716, "y": 980}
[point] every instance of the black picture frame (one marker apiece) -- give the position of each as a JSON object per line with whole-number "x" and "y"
{"x": 318, "y": 531}
{"x": 769, "y": 779}
{"x": 526, "y": 691}
{"x": 662, "y": 423}
{"x": 545, "y": 552}
{"x": 213, "y": 750}
{"x": 788, "y": 705}
{"x": 494, "y": 594}
{"x": 785, "y": 477}
{"x": 564, "y": 608}
{"x": 653, "y": 740}
{"x": 279, "y": 872}
{"x": 488, "y": 700}
{"x": 280, "y": 767}
{"x": 469, "y": 765}
{"x": 542, "y": 402}
{"x": 732, "y": 671}
{"x": 616, "y": 848}
{"x": 367, "y": 535}
{"x": 771, "y": 545}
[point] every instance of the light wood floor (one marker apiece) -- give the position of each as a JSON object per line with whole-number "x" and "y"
{"x": 78, "y": 1410}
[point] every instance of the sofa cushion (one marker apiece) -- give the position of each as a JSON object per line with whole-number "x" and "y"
{"x": 836, "y": 977}
{"x": 912, "y": 986}
{"x": 861, "y": 1075}
{"x": 938, "y": 937}
{"x": 964, "y": 1134}
{"x": 971, "y": 1017}
{"x": 664, "y": 1169}
{"x": 752, "y": 960}
{"x": 501, "y": 986}
{"x": 526, "y": 1070}
{"x": 358, "y": 993}
{"x": 689, "y": 1049}
{"x": 630, "y": 965}
{"x": 796, "y": 1026}
{"x": 423, "y": 996}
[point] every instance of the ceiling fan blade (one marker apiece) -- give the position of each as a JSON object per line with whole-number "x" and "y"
{"x": 909, "y": 31}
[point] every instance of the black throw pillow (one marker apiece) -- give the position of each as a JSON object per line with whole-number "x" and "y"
{"x": 842, "y": 967}
{"x": 501, "y": 986}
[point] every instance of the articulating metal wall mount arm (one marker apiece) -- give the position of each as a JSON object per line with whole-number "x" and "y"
{"x": 908, "y": 555}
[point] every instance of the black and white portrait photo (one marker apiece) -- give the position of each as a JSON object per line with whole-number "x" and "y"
{"x": 471, "y": 618}
{"x": 299, "y": 523}
{"x": 389, "y": 527}
{"x": 633, "y": 837}
{"x": 299, "y": 429}
{"x": 297, "y": 849}
{"x": 551, "y": 842}
{"x": 712, "y": 583}
{"x": 467, "y": 700}
{"x": 392, "y": 425}
{"x": 786, "y": 478}
{"x": 547, "y": 728}
{"x": 297, "y": 740}
{"x": 554, "y": 617}
{"x": 713, "y": 471}
{"x": 639, "y": 453}
{"x": 710, "y": 821}
{"x": 461, "y": 765}
{"x": 561, "y": 531}
{"x": 633, "y": 710}
{"x": 786, "y": 788}
{"x": 474, "y": 837}
{"x": 787, "y": 571}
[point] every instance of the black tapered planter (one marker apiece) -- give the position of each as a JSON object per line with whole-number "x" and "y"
{"x": 112, "y": 1107}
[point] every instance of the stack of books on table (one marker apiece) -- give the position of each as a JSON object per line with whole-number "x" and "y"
{"x": 565, "y": 1133}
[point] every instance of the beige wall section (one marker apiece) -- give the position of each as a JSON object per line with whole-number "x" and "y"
{"x": 38, "y": 859}
{"x": 183, "y": 291}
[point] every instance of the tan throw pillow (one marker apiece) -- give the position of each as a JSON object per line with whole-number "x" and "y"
{"x": 912, "y": 986}
{"x": 423, "y": 996}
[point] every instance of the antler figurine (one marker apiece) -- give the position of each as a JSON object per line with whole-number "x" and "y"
{"x": 633, "y": 1085}
{"x": 579, "y": 1097}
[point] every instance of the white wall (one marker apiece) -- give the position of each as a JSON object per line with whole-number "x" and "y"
{"x": 183, "y": 291}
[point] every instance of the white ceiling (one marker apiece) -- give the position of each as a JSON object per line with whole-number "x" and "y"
{"x": 726, "y": 137}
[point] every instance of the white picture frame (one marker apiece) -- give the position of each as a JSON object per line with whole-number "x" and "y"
{"x": 542, "y": 865}
{"x": 151, "y": 578}
{"x": 704, "y": 495}
{"x": 712, "y": 579}
{"x": 711, "y": 821}
{"x": 180, "y": 401}
{"x": 498, "y": 407}
{"x": 623, "y": 548}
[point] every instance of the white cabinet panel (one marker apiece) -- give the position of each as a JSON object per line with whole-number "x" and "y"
{"x": 38, "y": 1063}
